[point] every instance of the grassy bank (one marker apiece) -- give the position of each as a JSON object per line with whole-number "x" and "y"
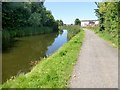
{"x": 72, "y": 30}
{"x": 113, "y": 40}
{"x": 52, "y": 72}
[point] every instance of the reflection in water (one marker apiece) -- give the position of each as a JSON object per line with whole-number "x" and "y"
{"x": 59, "y": 41}
{"x": 29, "y": 49}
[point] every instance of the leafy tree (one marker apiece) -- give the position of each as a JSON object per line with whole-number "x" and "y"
{"x": 60, "y": 22}
{"x": 77, "y": 21}
{"x": 107, "y": 13}
{"x": 35, "y": 19}
{"x": 16, "y": 15}
{"x": 36, "y": 7}
{"x": 100, "y": 16}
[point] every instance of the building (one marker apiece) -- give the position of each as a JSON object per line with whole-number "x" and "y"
{"x": 91, "y": 23}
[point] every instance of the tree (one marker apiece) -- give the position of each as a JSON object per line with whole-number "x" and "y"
{"x": 107, "y": 13}
{"x": 77, "y": 21}
{"x": 14, "y": 14}
{"x": 20, "y": 14}
{"x": 60, "y": 22}
{"x": 35, "y": 19}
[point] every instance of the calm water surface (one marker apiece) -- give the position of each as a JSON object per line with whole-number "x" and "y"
{"x": 29, "y": 49}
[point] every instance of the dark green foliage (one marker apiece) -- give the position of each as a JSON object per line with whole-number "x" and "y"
{"x": 100, "y": 17}
{"x": 14, "y": 14}
{"x": 77, "y": 21}
{"x": 25, "y": 18}
{"x": 60, "y": 22}
{"x": 19, "y": 14}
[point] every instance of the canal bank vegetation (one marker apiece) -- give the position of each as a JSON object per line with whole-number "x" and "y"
{"x": 72, "y": 30}
{"x": 25, "y": 18}
{"x": 107, "y": 13}
{"x": 9, "y": 37}
{"x": 51, "y": 72}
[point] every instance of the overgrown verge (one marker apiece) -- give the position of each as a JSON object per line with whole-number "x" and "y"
{"x": 72, "y": 30}
{"x": 106, "y": 36}
{"x": 52, "y": 72}
{"x": 108, "y": 14}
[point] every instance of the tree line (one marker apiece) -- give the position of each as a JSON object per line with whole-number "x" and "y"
{"x": 24, "y": 19}
{"x": 21, "y": 14}
{"x": 107, "y": 13}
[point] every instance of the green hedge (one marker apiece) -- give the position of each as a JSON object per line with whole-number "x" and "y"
{"x": 107, "y": 13}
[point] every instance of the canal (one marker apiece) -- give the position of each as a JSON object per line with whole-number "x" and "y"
{"x": 27, "y": 50}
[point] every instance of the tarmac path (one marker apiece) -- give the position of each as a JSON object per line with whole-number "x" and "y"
{"x": 97, "y": 65}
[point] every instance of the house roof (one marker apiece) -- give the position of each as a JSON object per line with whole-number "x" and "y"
{"x": 88, "y": 20}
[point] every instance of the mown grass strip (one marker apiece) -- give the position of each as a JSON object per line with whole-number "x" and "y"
{"x": 52, "y": 72}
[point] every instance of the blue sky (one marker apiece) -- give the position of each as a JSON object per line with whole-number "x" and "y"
{"x": 69, "y": 11}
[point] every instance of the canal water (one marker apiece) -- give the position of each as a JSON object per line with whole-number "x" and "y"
{"x": 27, "y": 50}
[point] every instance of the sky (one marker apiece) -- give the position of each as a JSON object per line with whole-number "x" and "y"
{"x": 69, "y": 11}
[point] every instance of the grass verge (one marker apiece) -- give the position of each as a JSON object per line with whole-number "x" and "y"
{"x": 52, "y": 72}
{"x": 106, "y": 36}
